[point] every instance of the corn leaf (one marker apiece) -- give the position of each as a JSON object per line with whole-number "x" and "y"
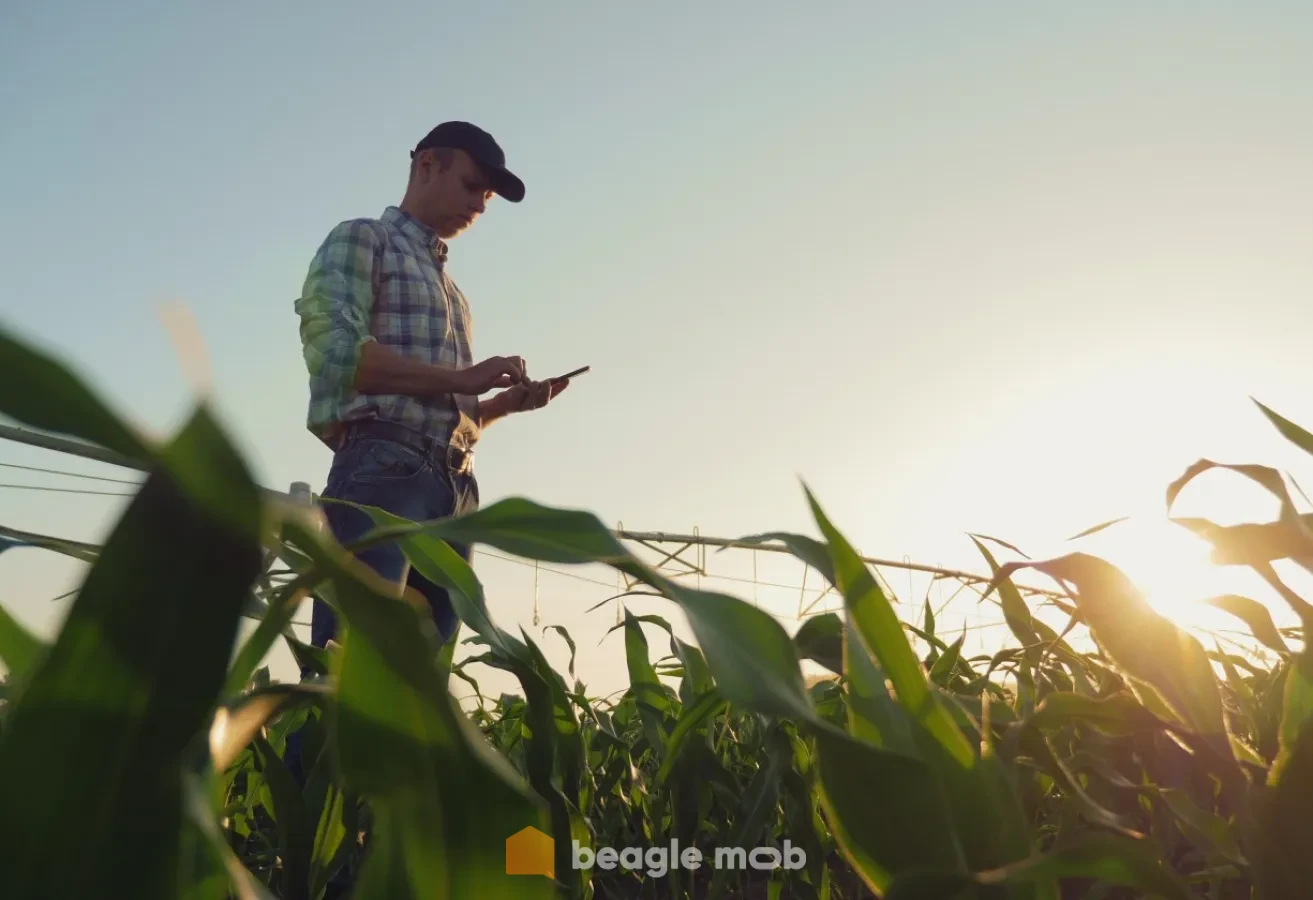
{"x": 820, "y": 639}
{"x": 403, "y": 746}
{"x": 987, "y": 815}
{"x": 1253, "y": 614}
{"x": 118, "y": 698}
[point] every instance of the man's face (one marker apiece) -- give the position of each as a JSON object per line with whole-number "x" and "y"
{"x": 449, "y": 199}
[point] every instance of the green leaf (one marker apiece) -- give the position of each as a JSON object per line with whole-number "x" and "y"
{"x": 750, "y": 655}
{"x": 295, "y": 827}
{"x": 1296, "y": 711}
{"x": 1206, "y": 830}
{"x": 942, "y": 671}
{"x": 1104, "y": 857}
{"x": 752, "y": 658}
{"x": 654, "y": 704}
{"x": 199, "y": 817}
{"x": 1253, "y": 544}
{"x": 1283, "y": 866}
{"x": 315, "y": 660}
{"x": 1266, "y": 476}
{"x": 12, "y": 537}
{"x": 1292, "y": 432}
{"x": 887, "y": 811}
{"x": 1035, "y": 745}
{"x": 1117, "y": 714}
{"x": 879, "y": 629}
{"x": 697, "y": 676}
{"x": 236, "y": 725}
{"x": 873, "y": 716}
{"x": 761, "y": 797}
{"x": 128, "y": 683}
{"x": 1253, "y": 614}
{"x": 987, "y": 815}
{"x": 277, "y": 621}
{"x": 523, "y": 528}
{"x": 811, "y": 551}
{"x": 20, "y": 650}
{"x": 1256, "y": 544}
{"x": 1015, "y": 611}
{"x": 702, "y": 709}
{"x": 820, "y": 639}
{"x": 335, "y": 838}
{"x": 549, "y": 711}
{"x": 404, "y": 746}
{"x": 39, "y": 391}
{"x": 1143, "y": 643}
{"x": 427, "y": 548}
{"x": 560, "y": 629}
{"x": 1095, "y": 529}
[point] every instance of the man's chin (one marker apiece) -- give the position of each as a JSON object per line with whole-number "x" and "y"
{"x": 452, "y": 230}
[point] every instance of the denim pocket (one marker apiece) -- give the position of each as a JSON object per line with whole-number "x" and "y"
{"x": 379, "y": 461}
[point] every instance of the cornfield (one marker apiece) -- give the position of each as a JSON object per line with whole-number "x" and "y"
{"x": 145, "y": 753}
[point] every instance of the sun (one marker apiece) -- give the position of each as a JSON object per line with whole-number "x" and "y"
{"x": 1173, "y": 569}
{"x": 1170, "y": 566}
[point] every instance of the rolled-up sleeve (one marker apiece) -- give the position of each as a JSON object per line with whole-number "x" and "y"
{"x": 334, "y": 307}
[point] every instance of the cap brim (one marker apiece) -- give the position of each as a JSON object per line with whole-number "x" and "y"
{"x": 505, "y": 184}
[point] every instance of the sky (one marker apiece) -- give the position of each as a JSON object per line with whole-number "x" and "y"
{"x": 958, "y": 268}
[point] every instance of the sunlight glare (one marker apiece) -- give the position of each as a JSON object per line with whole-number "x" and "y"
{"x": 1173, "y": 569}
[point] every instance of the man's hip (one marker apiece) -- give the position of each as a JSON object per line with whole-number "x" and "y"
{"x": 402, "y": 471}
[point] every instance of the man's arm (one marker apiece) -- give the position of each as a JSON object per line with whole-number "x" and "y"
{"x": 380, "y": 371}
{"x": 493, "y": 408}
{"x": 334, "y": 307}
{"x": 342, "y": 355}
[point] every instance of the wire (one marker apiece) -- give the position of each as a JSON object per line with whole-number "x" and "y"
{"x": 76, "y": 590}
{"x": 521, "y": 562}
{"x": 69, "y": 474}
{"x": 40, "y": 487}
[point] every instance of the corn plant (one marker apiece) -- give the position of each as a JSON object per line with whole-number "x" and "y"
{"x": 145, "y": 752}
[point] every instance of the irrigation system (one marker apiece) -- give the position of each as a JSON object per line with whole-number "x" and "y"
{"x": 676, "y": 555}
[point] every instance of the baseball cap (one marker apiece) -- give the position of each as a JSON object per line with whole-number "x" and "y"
{"x": 482, "y": 149}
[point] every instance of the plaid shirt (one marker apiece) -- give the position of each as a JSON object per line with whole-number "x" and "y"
{"x": 384, "y": 280}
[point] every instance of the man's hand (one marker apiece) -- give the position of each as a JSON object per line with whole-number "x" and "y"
{"x": 494, "y": 372}
{"x": 521, "y": 398}
{"x": 533, "y": 394}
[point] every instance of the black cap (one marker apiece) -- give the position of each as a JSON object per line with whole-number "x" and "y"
{"x": 482, "y": 149}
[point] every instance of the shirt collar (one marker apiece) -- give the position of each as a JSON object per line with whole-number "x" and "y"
{"x": 416, "y": 230}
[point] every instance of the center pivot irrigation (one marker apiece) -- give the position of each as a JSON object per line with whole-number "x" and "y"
{"x": 674, "y": 554}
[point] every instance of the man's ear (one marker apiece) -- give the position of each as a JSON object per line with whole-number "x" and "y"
{"x": 420, "y": 166}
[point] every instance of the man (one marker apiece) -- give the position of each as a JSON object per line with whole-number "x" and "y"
{"x": 386, "y": 335}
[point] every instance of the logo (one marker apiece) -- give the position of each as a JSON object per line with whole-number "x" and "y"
{"x": 530, "y": 852}
{"x": 658, "y": 861}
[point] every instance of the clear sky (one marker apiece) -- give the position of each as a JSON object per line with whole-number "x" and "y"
{"x": 1003, "y": 268}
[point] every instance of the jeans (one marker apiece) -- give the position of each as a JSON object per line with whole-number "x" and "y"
{"x": 397, "y": 470}
{"x": 403, "y": 473}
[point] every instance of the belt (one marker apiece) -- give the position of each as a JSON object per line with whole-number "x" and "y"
{"x": 447, "y": 456}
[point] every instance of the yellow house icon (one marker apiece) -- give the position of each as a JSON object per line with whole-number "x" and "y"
{"x": 530, "y": 852}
